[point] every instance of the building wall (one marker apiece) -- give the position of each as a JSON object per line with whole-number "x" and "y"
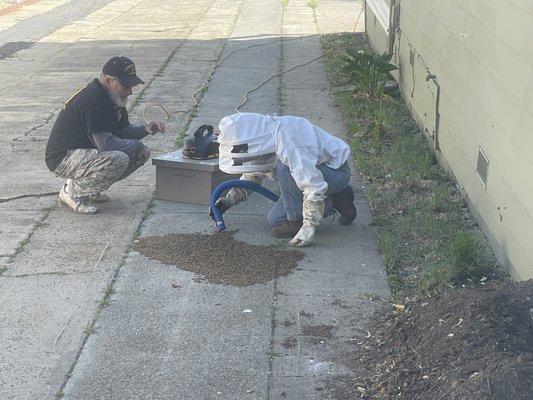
{"x": 376, "y": 33}
{"x": 466, "y": 72}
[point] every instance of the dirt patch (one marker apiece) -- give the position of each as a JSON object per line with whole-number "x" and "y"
{"x": 474, "y": 343}
{"x": 289, "y": 343}
{"x": 219, "y": 258}
{"x": 321, "y": 331}
{"x": 288, "y": 323}
{"x": 307, "y": 315}
{"x": 339, "y": 303}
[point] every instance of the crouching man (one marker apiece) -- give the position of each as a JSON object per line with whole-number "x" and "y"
{"x": 92, "y": 144}
{"x": 309, "y": 164}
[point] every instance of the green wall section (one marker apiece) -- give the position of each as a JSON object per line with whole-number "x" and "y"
{"x": 480, "y": 55}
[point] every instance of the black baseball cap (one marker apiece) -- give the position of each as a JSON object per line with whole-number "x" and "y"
{"x": 123, "y": 69}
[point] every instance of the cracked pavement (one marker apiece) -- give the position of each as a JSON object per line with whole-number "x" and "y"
{"x": 59, "y": 269}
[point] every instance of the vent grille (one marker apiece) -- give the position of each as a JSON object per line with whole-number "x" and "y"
{"x": 482, "y": 166}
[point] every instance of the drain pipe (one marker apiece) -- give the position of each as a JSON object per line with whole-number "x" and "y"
{"x": 431, "y": 77}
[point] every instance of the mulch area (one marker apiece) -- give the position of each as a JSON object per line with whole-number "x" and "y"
{"x": 219, "y": 258}
{"x": 471, "y": 343}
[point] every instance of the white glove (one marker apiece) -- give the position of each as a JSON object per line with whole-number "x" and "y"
{"x": 304, "y": 237}
{"x": 312, "y": 214}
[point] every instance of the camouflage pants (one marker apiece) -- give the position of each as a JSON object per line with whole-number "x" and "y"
{"x": 91, "y": 171}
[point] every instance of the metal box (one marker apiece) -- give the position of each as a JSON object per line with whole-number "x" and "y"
{"x": 187, "y": 181}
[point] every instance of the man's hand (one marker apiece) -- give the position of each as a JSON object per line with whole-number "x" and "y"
{"x": 155, "y": 126}
{"x": 304, "y": 237}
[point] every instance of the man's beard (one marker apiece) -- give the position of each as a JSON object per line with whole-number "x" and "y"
{"x": 118, "y": 100}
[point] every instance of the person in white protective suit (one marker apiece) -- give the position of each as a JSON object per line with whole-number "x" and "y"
{"x": 309, "y": 164}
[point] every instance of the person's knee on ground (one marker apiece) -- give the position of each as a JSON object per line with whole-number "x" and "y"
{"x": 280, "y": 226}
{"x": 277, "y": 215}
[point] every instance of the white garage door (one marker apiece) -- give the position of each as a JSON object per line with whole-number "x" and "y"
{"x": 381, "y": 8}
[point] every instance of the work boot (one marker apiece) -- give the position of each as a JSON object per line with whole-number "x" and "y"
{"x": 76, "y": 205}
{"x": 287, "y": 229}
{"x": 343, "y": 203}
{"x": 98, "y": 198}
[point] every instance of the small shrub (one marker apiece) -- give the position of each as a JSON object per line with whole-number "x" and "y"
{"x": 367, "y": 71}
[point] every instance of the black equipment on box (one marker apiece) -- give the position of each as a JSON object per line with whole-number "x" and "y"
{"x": 202, "y": 145}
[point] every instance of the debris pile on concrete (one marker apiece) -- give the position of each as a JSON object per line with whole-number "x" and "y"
{"x": 219, "y": 258}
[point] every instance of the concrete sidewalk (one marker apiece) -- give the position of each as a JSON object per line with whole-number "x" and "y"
{"x": 152, "y": 340}
{"x": 195, "y": 341}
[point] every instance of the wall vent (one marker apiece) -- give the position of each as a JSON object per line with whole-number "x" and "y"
{"x": 482, "y": 166}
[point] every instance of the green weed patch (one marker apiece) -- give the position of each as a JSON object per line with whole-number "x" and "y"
{"x": 427, "y": 237}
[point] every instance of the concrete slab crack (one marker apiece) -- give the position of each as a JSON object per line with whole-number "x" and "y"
{"x": 280, "y": 106}
{"x": 24, "y": 242}
{"x": 47, "y": 274}
{"x": 23, "y": 196}
{"x": 34, "y": 128}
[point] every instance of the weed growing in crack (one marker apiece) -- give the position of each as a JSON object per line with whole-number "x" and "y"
{"x": 279, "y": 245}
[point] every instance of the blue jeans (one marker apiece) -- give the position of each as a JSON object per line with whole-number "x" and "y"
{"x": 289, "y": 205}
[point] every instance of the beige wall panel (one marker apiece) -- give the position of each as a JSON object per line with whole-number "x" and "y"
{"x": 514, "y": 226}
{"x": 450, "y": 112}
{"x": 498, "y": 101}
{"x": 522, "y": 134}
{"x": 515, "y": 229}
{"x": 513, "y": 232}
{"x": 501, "y": 62}
{"x": 479, "y": 129}
{"x": 376, "y": 34}
{"x": 450, "y": 47}
{"x": 451, "y": 85}
{"x": 450, "y": 14}
{"x": 482, "y": 55}
{"x": 525, "y": 5}
{"x": 509, "y": 23}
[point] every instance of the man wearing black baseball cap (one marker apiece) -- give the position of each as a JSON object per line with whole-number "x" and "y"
{"x": 92, "y": 144}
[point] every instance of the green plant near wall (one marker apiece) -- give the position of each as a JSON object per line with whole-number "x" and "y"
{"x": 378, "y": 125}
{"x": 367, "y": 71}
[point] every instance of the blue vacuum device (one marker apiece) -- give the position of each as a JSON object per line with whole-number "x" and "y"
{"x": 255, "y": 187}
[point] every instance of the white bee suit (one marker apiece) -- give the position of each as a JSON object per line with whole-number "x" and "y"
{"x": 294, "y": 141}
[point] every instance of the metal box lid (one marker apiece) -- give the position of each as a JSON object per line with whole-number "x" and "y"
{"x": 176, "y": 160}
